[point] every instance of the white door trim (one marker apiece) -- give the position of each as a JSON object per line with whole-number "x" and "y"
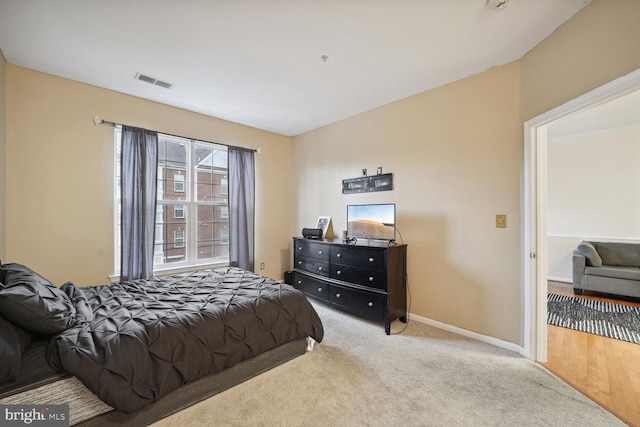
{"x": 534, "y": 201}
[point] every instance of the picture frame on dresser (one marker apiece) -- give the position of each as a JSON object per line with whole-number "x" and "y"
{"x": 323, "y": 223}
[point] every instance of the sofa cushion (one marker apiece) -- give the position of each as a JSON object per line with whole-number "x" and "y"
{"x": 587, "y": 250}
{"x": 618, "y": 272}
{"x": 626, "y": 254}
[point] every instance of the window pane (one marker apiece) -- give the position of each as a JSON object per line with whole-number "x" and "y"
{"x": 221, "y": 187}
{"x": 173, "y": 152}
{"x": 213, "y": 232}
{"x": 172, "y": 168}
{"x": 204, "y": 190}
{"x": 206, "y": 227}
{"x": 221, "y": 247}
{"x": 224, "y": 185}
{"x": 205, "y": 250}
{"x": 171, "y": 234}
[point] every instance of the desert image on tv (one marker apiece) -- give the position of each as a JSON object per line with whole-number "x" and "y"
{"x": 370, "y": 230}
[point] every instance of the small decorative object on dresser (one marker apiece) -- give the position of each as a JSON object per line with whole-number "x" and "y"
{"x": 369, "y": 281}
{"x": 323, "y": 224}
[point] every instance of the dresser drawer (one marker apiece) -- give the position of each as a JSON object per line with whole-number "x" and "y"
{"x": 311, "y": 286}
{"x": 371, "y": 278}
{"x": 371, "y": 259}
{"x": 367, "y": 304}
{"x": 309, "y": 249}
{"x": 312, "y": 266}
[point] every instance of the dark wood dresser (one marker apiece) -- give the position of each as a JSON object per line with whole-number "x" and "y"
{"x": 364, "y": 278}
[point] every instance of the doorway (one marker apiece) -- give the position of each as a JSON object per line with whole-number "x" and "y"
{"x": 535, "y": 207}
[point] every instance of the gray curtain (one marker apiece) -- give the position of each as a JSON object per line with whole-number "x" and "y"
{"x": 139, "y": 171}
{"x": 241, "y": 207}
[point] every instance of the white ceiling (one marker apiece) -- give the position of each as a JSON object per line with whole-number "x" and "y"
{"x": 258, "y": 62}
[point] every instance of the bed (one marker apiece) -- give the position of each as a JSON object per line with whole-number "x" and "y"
{"x": 137, "y": 351}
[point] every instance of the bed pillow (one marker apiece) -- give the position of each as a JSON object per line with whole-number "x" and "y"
{"x": 33, "y": 303}
{"x": 587, "y": 250}
{"x": 14, "y": 341}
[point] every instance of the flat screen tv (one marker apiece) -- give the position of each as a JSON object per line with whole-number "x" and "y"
{"x": 372, "y": 221}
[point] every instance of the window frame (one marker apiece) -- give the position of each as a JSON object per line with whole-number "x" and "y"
{"x": 189, "y": 206}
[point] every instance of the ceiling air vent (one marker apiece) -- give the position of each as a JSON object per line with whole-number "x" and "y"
{"x": 153, "y": 81}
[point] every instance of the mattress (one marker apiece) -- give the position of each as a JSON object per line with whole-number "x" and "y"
{"x": 86, "y": 409}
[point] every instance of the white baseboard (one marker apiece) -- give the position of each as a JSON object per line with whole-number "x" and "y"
{"x": 560, "y": 279}
{"x": 469, "y": 334}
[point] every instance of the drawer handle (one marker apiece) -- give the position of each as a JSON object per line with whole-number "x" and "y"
{"x": 299, "y": 282}
{"x": 370, "y": 304}
{"x": 299, "y": 262}
{"x": 320, "y": 268}
{"x": 319, "y": 252}
{"x": 299, "y": 248}
{"x": 337, "y": 295}
{"x": 371, "y": 259}
{"x": 338, "y": 255}
{"x": 338, "y": 272}
{"x": 319, "y": 289}
{"x": 371, "y": 279}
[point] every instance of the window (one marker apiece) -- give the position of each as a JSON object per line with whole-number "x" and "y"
{"x": 224, "y": 186}
{"x": 192, "y": 214}
{"x": 178, "y": 183}
{"x": 178, "y": 238}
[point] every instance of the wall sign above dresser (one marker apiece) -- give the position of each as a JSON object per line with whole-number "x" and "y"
{"x": 364, "y": 184}
{"x": 369, "y": 281}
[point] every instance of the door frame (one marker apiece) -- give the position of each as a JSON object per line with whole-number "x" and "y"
{"x": 534, "y": 212}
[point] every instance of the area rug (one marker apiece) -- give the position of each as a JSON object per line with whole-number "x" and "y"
{"x": 618, "y": 321}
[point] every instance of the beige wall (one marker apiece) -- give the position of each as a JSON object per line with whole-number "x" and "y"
{"x": 3, "y": 163}
{"x": 60, "y": 174}
{"x": 599, "y": 44}
{"x": 455, "y": 155}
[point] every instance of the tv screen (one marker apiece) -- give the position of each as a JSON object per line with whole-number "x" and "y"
{"x": 372, "y": 221}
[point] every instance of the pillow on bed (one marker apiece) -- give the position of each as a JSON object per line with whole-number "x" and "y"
{"x": 33, "y": 303}
{"x": 14, "y": 341}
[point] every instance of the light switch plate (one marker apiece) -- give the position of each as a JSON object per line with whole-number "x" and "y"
{"x": 501, "y": 221}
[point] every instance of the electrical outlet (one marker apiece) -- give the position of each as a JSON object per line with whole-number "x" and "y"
{"x": 262, "y": 266}
{"x": 501, "y": 221}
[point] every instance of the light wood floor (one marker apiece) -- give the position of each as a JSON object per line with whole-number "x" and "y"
{"x": 606, "y": 370}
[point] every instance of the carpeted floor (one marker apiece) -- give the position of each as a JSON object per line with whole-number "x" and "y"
{"x": 602, "y": 318}
{"x": 358, "y": 376}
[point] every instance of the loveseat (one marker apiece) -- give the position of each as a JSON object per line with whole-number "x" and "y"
{"x": 612, "y": 268}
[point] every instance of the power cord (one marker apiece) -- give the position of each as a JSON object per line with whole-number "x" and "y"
{"x": 406, "y": 280}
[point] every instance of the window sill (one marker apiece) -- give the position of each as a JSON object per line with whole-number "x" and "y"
{"x": 167, "y": 271}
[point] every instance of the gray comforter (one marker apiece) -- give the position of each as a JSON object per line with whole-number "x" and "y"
{"x": 136, "y": 341}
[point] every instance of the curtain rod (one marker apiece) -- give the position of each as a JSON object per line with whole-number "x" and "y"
{"x": 98, "y": 121}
